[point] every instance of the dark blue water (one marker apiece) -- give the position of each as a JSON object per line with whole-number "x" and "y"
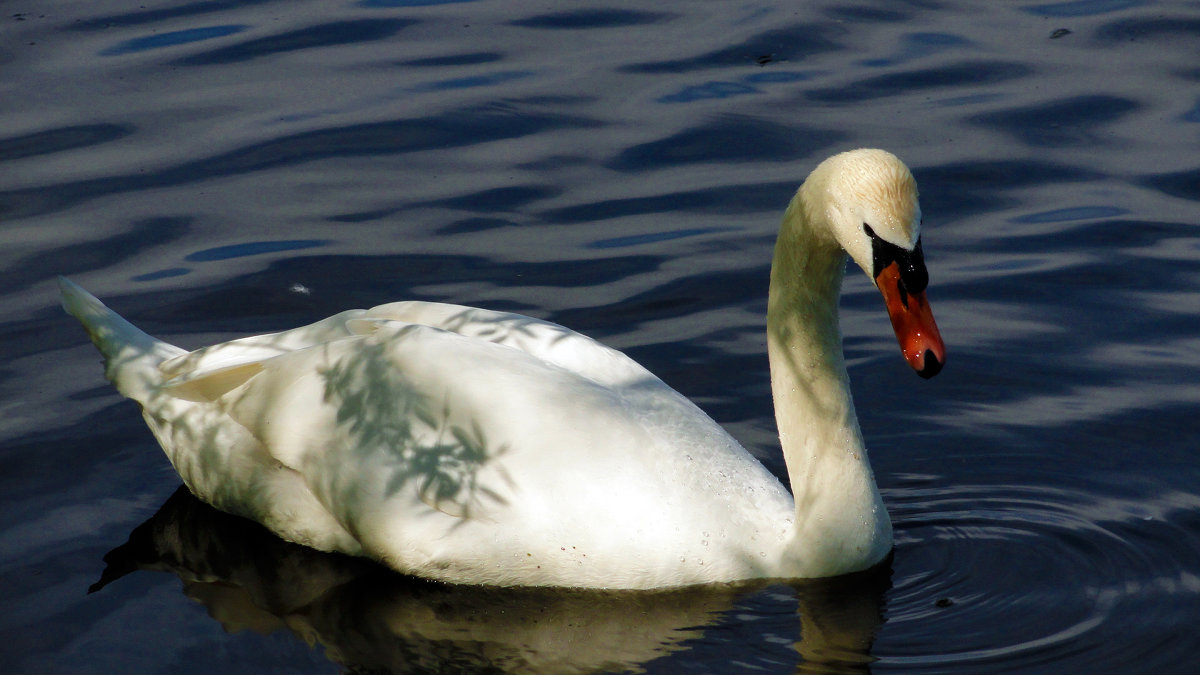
{"x": 215, "y": 169}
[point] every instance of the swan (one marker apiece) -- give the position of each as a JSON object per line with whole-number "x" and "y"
{"x": 481, "y": 447}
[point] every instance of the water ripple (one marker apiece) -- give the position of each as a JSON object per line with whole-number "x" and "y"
{"x": 61, "y": 139}
{"x": 919, "y": 46}
{"x": 732, "y": 199}
{"x": 79, "y": 257}
{"x": 171, "y": 39}
{"x": 467, "y": 59}
{"x": 1079, "y": 562}
{"x": 322, "y": 35}
{"x": 374, "y": 138}
{"x": 939, "y": 77}
{"x": 732, "y": 138}
{"x": 1083, "y": 7}
{"x": 965, "y": 188}
{"x": 1149, "y": 29}
{"x": 591, "y": 19}
{"x": 1070, "y": 214}
{"x": 1062, "y": 123}
{"x": 1183, "y": 184}
{"x": 621, "y": 168}
{"x": 794, "y": 43}
{"x": 252, "y": 248}
{"x": 144, "y": 16}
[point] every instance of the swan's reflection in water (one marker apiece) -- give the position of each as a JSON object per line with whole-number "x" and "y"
{"x": 368, "y": 618}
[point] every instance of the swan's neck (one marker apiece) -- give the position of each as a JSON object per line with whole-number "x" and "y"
{"x": 841, "y": 524}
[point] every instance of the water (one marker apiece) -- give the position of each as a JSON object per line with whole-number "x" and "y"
{"x": 215, "y": 169}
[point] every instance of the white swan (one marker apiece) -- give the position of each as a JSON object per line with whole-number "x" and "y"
{"x": 480, "y": 447}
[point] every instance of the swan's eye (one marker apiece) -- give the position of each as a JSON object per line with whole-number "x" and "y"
{"x": 913, "y": 275}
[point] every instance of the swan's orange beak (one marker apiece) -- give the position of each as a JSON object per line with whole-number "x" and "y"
{"x": 912, "y": 319}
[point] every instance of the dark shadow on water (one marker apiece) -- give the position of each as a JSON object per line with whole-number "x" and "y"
{"x": 1061, "y": 123}
{"x": 864, "y": 14}
{"x": 75, "y": 258}
{"x": 61, "y": 139}
{"x": 369, "y": 619}
{"x": 734, "y": 199}
{"x": 307, "y": 38}
{"x": 144, "y": 15}
{"x": 467, "y": 59}
{"x": 1182, "y": 184}
{"x": 1184, "y": 26}
{"x": 732, "y": 138}
{"x": 591, "y": 18}
{"x": 975, "y": 73}
{"x": 968, "y": 188}
{"x": 172, "y": 39}
{"x": 505, "y": 199}
{"x": 468, "y": 225}
{"x": 487, "y": 203}
{"x": 792, "y": 43}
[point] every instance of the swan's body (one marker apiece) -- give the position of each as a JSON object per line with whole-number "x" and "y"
{"x": 480, "y": 447}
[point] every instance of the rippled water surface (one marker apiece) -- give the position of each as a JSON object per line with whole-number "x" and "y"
{"x": 215, "y": 169}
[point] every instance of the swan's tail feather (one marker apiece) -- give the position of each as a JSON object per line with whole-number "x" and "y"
{"x": 131, "y": 357}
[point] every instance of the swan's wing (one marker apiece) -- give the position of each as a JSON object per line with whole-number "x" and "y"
{"x": 208, "y": 360}
{"x": 544, "y": 340}
{"x": 211, "y": 371}
{"x": 432, "y": 390}
{"x": 411, "y": 394}
{"x": 407, "y": 432}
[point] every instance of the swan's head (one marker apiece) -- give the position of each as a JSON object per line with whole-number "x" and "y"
{"x": 870, "y": 204}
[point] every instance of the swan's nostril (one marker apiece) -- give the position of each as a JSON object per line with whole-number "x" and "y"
{"x": 932, "y": 365}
